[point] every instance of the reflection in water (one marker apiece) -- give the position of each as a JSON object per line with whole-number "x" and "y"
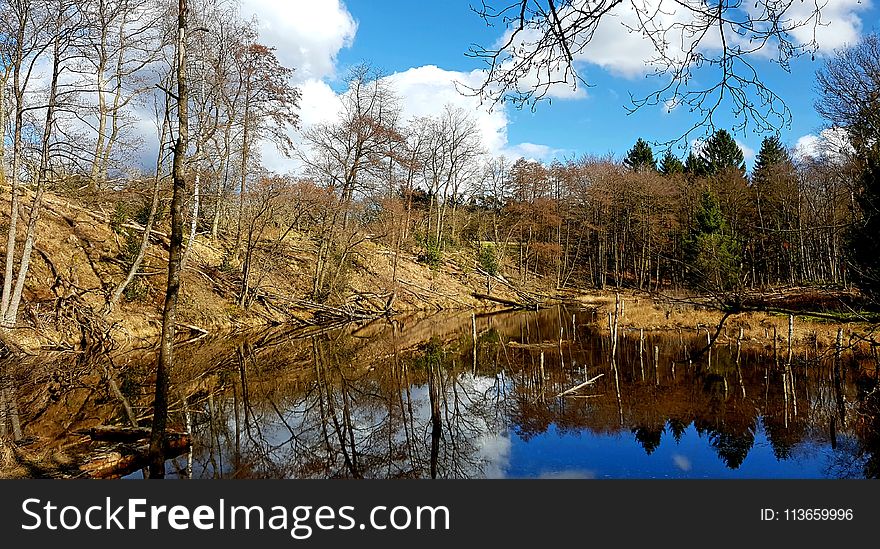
{"x": 404, "y": 400}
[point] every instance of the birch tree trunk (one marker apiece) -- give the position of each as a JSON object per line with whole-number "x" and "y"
{"x": 11, "y": 313}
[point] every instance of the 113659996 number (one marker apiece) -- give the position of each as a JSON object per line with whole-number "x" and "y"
{"x": 818, "y": 514}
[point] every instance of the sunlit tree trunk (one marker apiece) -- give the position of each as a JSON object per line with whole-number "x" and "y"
{"x": 169, "y": 311}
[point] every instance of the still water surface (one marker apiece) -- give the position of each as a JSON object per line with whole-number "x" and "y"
{"x": 414, "y": 398}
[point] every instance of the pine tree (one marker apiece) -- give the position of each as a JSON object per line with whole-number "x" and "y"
{"x": 670, "y": 164}
{"x": 694, "y": 165}
{"x": 640, "y": 158}
{"x": 721, "y": 152}
{"x": 711, "y": 252}
{"x": 771, "y": 158}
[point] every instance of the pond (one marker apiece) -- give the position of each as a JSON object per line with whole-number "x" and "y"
{"x": 416, "y": 398}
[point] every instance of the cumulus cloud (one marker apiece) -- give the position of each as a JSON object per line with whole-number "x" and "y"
{"x": 308, "y": 34}
{"x": 748, "y": 152}
{"x": 423, "y": 91}
{"x": 619, "y": 50}
{"x": 531, "y": 151}
{"x": 831, "y": 143}
{"x": 318, "y": 104}
{"x": 838, "y": 25}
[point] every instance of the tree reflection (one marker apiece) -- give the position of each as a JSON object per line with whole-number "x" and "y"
{"x": 403, "y": 400}
{"x": 649, "y": 437}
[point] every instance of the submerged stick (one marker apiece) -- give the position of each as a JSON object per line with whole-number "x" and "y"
{"x": 581, "y": 386}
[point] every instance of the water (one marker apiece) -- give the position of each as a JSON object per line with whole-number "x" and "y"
{"x": 411, "y": 398}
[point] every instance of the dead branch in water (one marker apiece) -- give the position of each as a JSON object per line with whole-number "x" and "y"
{"x": 701, "y": 352}
{"x": 581, "y": 386}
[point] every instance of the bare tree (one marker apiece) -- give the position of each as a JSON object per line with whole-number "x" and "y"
{"x": 849, "y": 87}
{"x": 175, "y": 253}
{"x": 342, "y": 155}
{"x": 546, "y": 41}
{"x": 61, "y": 23}
{"x": 268, "y": 107}
{"x": 24, "y": 44}
{"x": 163, "y": 125}
{"x": 124, "y": 39}
{"x": 450, "y": 160}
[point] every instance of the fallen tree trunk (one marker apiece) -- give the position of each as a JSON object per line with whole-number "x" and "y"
{"x": 129, "y": 455}
{"x": 502, "y": 301}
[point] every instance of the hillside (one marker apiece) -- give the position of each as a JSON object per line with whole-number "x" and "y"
{"x": 79, "y": 258}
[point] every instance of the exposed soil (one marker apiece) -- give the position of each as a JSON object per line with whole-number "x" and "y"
{"x": 77, "y": 263}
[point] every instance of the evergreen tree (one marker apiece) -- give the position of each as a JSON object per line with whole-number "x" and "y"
{"x": 770, "y": 158}
{"x": 670, "y": 164}
{"x": 721, "y": 152}
{"x": 694, "y": 165}
{"x": 711, "y": 252}
{"x": 640, "y": 158}
{"x": 864, "y": 246}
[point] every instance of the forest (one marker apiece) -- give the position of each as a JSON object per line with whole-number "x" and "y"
{"x": 86, "y": 85}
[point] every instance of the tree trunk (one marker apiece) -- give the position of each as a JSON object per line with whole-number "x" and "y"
{"x": 11, "y": 313}
{"x": 148, "y": 228}
{"x": 169, "y": 311}
{"x": 13, "y": 211}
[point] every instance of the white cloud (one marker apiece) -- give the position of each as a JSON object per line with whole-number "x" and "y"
{"x": 807, "y": 146}
{"x": 308, "y": 34}
{"x": 531, "y": 151}
{"x": 838, "y": 25}
{"x": 618, "y": 50}
{"x": 831, "y": 143}
{"x": 424, "y": 91}
{"x": 318, "y": 104}
{"x": 748, "y": 152}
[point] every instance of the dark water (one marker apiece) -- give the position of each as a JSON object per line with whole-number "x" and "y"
{"x": 413, "y": 399}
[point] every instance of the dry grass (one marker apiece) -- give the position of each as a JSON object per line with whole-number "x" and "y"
{"x": 644, "y": 312}
{"x": 9, "y": 466}
{"x": 78, "y": 254}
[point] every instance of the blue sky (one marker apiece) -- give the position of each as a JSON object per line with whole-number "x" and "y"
{"x": 422, "y": 45}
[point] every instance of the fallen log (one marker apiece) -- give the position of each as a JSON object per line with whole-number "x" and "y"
{"x": 113, "y": 433}
{"x": 126, "y": 457}
{"x": 435, "y": 292}
{"x": 502, "y": 301}
{"x": 542, "y": 345}
{"x": 532, "y": 300}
